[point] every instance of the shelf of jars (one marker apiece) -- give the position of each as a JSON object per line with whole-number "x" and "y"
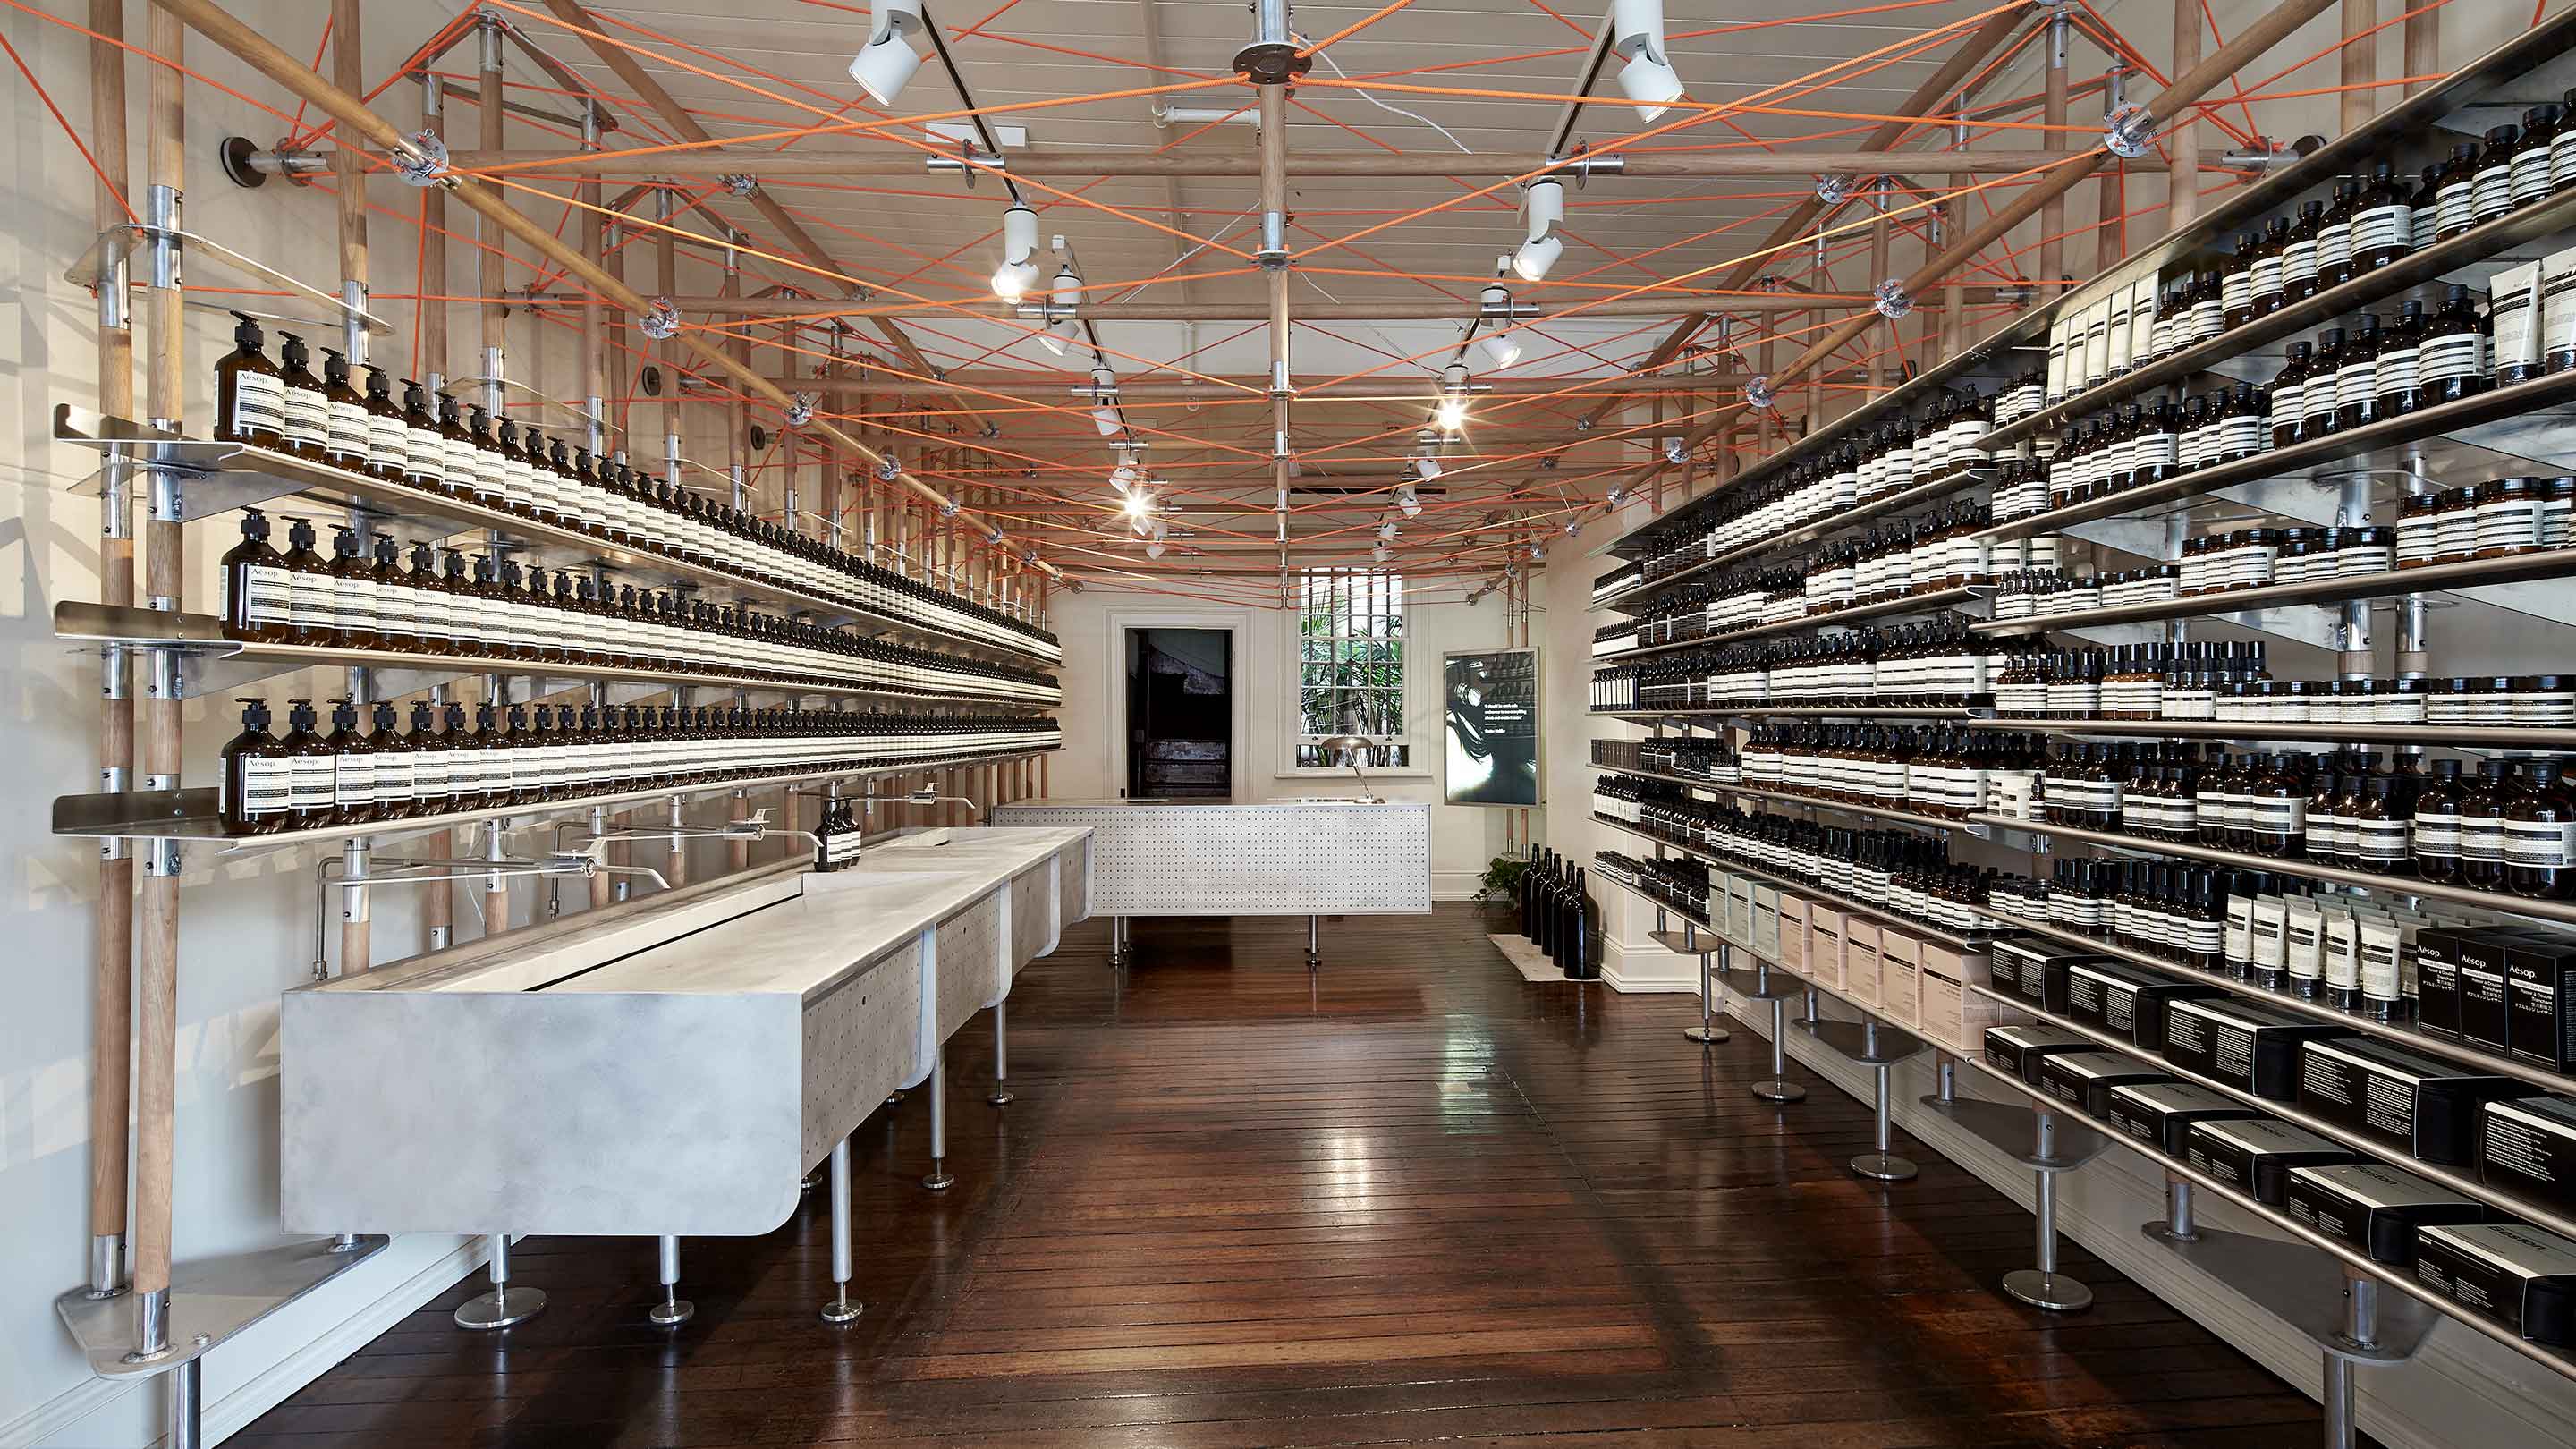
{"x": 2456, "y": 736}
{"x": 1930, "y": 602}
{"x": 220, "y": 477}
{"x": 1791, "y": 797}
{"x": 2402, "y": 1031}
{"x": 1841, "y": 900}
{"x": 2467, "y": 1183}
{"x": 198, "y": 814}
{"x": 1834, "y": 522}
{"x": 2381, "y": 445}
{"x": 220, "y": 663}
{"x": 2524, "y": 567}
{"x": 2401, "y": 1277}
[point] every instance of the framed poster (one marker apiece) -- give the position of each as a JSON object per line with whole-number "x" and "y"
{"x": 1489, "y": 732}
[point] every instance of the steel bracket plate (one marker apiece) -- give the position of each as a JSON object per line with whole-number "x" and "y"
{"x": 2303, "y": 1287}
{"x": 211, "y": 1300}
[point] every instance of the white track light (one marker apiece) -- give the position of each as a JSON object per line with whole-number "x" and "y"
{"x": 1019, "y": 269}
{"x": 1154, "y": 548}
{"x": 1542, "y": 211}
{"x": 1104, "y": 396}
{"x": 1503, "y": 346}
{"x": 1648, "y": 79}
{"x": 1124, "y": 479}
{"x": 1063, "y": 331}
{"x": 888, "y": 60}
{"x": 1426, "y": 465}
{"x": 1386, "y": 531}
{"x": 1408, "y": 501}
{"x": 1381, "y": 553}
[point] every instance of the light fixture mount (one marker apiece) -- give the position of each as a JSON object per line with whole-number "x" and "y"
{"x": 1272, "y": 62}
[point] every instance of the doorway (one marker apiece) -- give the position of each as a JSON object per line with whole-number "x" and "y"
{"x": 1180, "y": 714}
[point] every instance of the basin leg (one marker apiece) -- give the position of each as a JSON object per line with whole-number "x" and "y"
{"x": 504, "y": 1305}
{"x": 673, "y": 1310}
{"x": 939, "y": 1179}
{"x": 839, "y": 1309}
{"x": 1002, "y": 1096}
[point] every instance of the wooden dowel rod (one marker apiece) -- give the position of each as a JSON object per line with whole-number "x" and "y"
{"x": 539, "y": 165}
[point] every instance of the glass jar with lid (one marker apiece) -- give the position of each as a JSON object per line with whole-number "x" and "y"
{"x": 2457, "y": 536}
{"x": 2508, "y": 518}
{"x": 2371, "y": 550}
{"x": 2418, "y": 529}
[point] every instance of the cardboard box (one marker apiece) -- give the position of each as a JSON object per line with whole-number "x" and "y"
{"x": 2437, "y": 981}
{"x": 1765, "y": 935}
{"x": 1954, "y": 1014}
{"x": 2539, "y": 980}
{"x": 2156, "y": 1113}
{"x": 1860, "y": 961}
{"x": 2374, "y": 1207}
{"x": 1825, "y": 946}
{"x": 2485, "y": 1019}
{"x": 2414, "y": 1103}
{"x": 2527, "y": 1146}
{"x": 1900, "y": 979}
{"x": 1793, "y": 933}
{"x": 2083, "y": 1080}
{"x": 2508, "y": 1273}
{"x": 2124, "y": 1000}
{"x": 2020, "y": 1049}
{"x": 2249, "y": 1046}
{"x": 2255, "y": 1155}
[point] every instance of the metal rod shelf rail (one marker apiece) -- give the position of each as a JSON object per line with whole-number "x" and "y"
{"x": 225, "y": 476}
{"x": 2464, "y": 1182}
{"x": 1836, "y": 522}
{"x": 2274, "y": 1218}
{"x": 2355, "y": 445}
{"x": 2552, "y": 563}
{"x": 191, "y": 814}
{"x": 2268, "y": 195}
{"x": 1915, "y": 604}
{"x": 2555, "y": 213}
{"x": 2406, "y": 1034}
{"x": 1910, "y": 924}
{"x": 202, "y": 634}
{"x": 2465, "y": 737}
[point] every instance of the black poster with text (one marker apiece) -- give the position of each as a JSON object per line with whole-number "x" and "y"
{"x": 1490, "y": 738}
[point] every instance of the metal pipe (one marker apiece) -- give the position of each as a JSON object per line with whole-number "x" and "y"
{"x": 839, "y": 1309}
{"x": 673, "y": 1310}
{"x": 186, "y": 1397}
{"x": 938, "y": 1179}
{"x": 1002, "y": 1095}
{"x": 820, "y": 163}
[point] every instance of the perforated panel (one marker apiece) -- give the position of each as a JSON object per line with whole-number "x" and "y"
{"x": 969, "y": 944}
{"x": 861, "y": 1042}
{"x": 1276, "y": 860}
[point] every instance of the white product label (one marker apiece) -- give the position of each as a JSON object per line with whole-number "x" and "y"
{"x": 2490, "y": 192}
{"x": 2452, "y": 210}
{"x": 354, "y": 781}
{"x": 308, "y": 416}
{"x": 2353, "y": 384}
{"x": 268, "y": 787}
{"x": 388, "y": 442}
{"x": 310, "y": 600}
{"x": 259, "y": 404}
{"x": 2382, "y": 227}
{"x": 348, "y": 440}
{"x": 2334, "y": 246}
{"x": 270, "y": 598}
{"x": 312, "y": 781}
{"x": 2549, "y": 845}
{"x": 2396, "y": 371}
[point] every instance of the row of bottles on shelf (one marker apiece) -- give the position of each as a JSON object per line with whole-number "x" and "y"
{"x": 1941, "y": 550}
{"x": 1891, "y": 870}
{"x": 1937, "y": 663}
{"x": 1675, "y": 881}
{"x": 1558, "y": 914}
{"x": 837, "y": 836}
{"x": 444, "y": 448}
{"x": 498, "y": 610}
{"x": 306, "y": 779}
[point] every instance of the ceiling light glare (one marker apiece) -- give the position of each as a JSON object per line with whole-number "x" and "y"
{"x": 1138, "y": 506}
{"x": 1451, "y": 415}
{"x": 887, "y": 61}
{"x": 1019, "y": 269}
{"x": 1542, "y": 212}
{"x": 1648, "y": 79}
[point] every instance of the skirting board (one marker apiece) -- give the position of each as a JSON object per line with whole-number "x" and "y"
{"x": 1643, "y": 966}
{"x": 2457, "y": 1393}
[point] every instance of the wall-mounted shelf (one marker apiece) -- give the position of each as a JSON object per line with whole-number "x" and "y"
{"x": 1881, "y": 914}
{"x": 1925, "y": 603}
{"x": 2459, "y": 737}
{"x": 2553, "y": 563}
{"x": 192, "y": 814}
{"x": 221, "y": 664}
{"x": 1931, "y": 490}
{"x": 1659, "y": 904}
{"x": 2379, "y": 445}
{"x": 222, "y": 477}
{"x": 1811, "y": 802}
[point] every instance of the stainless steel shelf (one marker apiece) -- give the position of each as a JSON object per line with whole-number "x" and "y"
{"x": 2462, "y": 737}
{"x": 2432, "y": 578}
{"x": 2406, "y": 1034}
{"x": 1792, "y": 797}
{"x": 2361, "y": 1264}
{"x": 1730, "y": 711}
{"x": 193, "y": 814}
{"x": 225, "y": 476}
{"x": 1843, "y": 903}
{"x": 1833, "y": 523}
{"x": 2459, "y": 1180}
{"x": 1933, "y": 602}
{"x": 2379, "y": 444}
{"x": 2552, "y": 214}
{"x": 2559, "y": 912}
{"x": 202, "y": 636}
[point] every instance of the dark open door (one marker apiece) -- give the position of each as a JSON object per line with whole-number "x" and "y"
{"x": 1180, "y": 714}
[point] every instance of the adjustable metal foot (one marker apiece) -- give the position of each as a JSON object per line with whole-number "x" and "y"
{"x": 1708, "y": 1032}
{"x": 1707, "y": 1035}
{"x": 2054, "y": 1292}
{"x": 673, "y": 1310}
{"x": 1779, "y": 1088}
{"x": 504, "y": 1305}
{"x": 1879, "y": 1164}
{"x": 1001, "y": 1095}
{"x": 938, "y": 1179}
{"x": 2178, "y": 1225}
{"x": 838, "y": 1308}
{"x": 2042, "y": 1286}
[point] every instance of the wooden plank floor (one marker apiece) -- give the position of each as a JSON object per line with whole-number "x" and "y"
{"x": 1411, "y": 1199}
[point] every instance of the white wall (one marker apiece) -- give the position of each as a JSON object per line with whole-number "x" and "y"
{"x": 1463, "y": 837}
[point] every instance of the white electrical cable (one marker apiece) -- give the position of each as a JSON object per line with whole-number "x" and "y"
{"x": 1327, "y": 58}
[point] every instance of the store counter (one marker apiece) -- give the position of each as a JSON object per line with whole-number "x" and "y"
{"x": 676, "y": 1068}
{"x": 1286, "y": 857}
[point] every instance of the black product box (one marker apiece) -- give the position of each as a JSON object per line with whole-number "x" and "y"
{"x": 2255, "y": 1156}
{"x": 2157, "y": 1112}
{"x": 2374, "y": 1207}
{"x": 2020, "y": 1049}
{"x": 2527, "y": 1146}
{"x": 2508, "y": 1273}
{"x": 2020, "y": 964}
{"x": 2484, "y": 1018}
{"x": 2126, "y": 1001}
{"x": 2250, "y": 1047}
{"x": 2083, "y": 1080}
{"x": 2414, "y": 1103}
{"x": 2437, "y": 981}
{"x": 2539, "y": 980}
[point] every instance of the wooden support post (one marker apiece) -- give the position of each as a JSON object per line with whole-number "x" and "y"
{"x": 493, "y": 265}
{"x": 349, "y": 177}
{"x": 2182, "y": 142}
{"x": 111, "y": 1001}
{"x": 164, "y": 574}
{"x": 2423, "y": 46}
{"x": 1888, "y": 366}
{"x": 2359, "y": 63}
{"x": 2052, "y": 112}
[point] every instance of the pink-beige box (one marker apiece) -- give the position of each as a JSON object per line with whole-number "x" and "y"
{"x": 1860, "y": 961}
{"x": 1955, "y": 1016}
{"x": 1900, "y": 985}
{"x": 1793, "y": 932}
{"x": 1825, "y": 946}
